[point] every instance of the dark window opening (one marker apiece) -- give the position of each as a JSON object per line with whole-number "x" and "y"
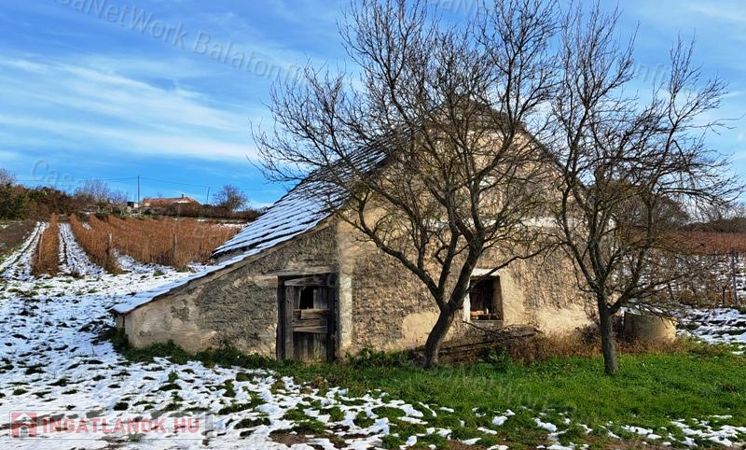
{"x": 485, "y": 299}
{"x": 306, "y": 298}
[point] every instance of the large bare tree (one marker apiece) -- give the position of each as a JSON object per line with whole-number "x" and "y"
{"x": 627, "y": 157}
{"x": 425, "y": 141}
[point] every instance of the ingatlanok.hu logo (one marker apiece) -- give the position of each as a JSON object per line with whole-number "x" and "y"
{"x": 78, "y": 426}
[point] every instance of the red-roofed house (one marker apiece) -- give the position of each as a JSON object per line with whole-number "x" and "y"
{"x": 160, "y": 204}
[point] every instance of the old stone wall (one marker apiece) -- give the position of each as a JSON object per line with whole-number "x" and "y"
{"x": 236, "y": 307}
{"x": 381, "y": 305}
{"x": 390, "y": 309}
{"x": 543, "y": 292}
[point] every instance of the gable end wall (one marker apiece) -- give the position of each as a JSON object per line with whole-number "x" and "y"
{"x": 237, "y": 308}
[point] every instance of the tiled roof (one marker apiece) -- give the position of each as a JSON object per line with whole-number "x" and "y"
{"x": 300, "y": 210}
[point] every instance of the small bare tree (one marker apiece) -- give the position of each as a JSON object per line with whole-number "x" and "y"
{"x": 97, "y": 193}
{"x": 625, "y": 160}
{"x": 230, "y": 198}
{"x": 427, "y": 149}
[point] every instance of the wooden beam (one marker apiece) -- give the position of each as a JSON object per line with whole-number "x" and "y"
{"x": 311, "y": 270}
{"x": 312, "y": 329}
{"x": 289, "y": 307}
{"x": 281, "y": 328}
{"x": 310, "y": 281}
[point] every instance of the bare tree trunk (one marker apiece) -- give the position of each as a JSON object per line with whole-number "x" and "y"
{"x": 608, "y": 346}
{"x": 437, "y": 336}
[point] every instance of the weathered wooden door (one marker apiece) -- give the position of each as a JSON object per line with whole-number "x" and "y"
{"x": 307, "y": 309}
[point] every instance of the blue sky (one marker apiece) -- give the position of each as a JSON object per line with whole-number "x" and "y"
{"x": 167, "y": 89}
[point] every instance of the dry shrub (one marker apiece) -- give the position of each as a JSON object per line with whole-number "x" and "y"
{"x": 95, "y": 241}
{"x": 584, "y": 343}
{"x": 47, "y": 259}
{"x": 168, "y": 242}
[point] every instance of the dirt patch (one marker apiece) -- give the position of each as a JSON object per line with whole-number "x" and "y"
{"x": 288, "y": 438}
{"x": 12, "y": 235}
{"x": 456, "y": 445}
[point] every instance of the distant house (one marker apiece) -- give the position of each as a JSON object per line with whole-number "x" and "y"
{"x": 157, "y": 205}
{"x": 300, "y": 283}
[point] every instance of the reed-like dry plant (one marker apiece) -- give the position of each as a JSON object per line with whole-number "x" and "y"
{"x": 169, "y": 242}
{"x": 97, "y": 241}
{"x": 584, "y": 343}
{"x": 47, "y": 257}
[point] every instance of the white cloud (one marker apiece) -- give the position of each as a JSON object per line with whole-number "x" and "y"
{"x": 103, "y": 109}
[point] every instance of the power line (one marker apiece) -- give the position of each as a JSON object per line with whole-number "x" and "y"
{"x": 176, "y": 182}
{"x": 157, "y": 180}
{"x": 74, "y": 180}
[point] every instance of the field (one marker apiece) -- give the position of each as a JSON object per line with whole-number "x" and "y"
{"x": 167, "y": 242}
{"x": 47, "y": 258}
{"x": 60, "y": 357}
{"x": 714, "y": 243}
{"x": 12, "y": 235}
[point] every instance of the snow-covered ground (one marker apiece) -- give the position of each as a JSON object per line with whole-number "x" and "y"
{"x": 74, "y": 260}
{"x": 718, "y": 326}
{"x": 55, "y": 363}
{"x": 18, "y": 265}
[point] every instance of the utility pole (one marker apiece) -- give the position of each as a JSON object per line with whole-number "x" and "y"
{"x": 138, "y": 191}
{"x": 208, "y": 197}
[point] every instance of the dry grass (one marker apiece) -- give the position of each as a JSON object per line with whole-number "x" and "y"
{"x": 168, "y": 242}
{"x": 584, "y": 343}
{"x": 47, "y": 258}
{"x": 95, "y": 240}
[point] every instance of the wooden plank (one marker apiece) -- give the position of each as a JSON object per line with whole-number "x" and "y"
{"x": 312, "y": 281}
{"x": 316, "y": 319}
{"x": 315, "y": 324}
{"x": 281, "y": 326}
{"x": 323, "y": 329}
{"x": 305, "y": 271}
{"x": 290, "y": 294}
{"x": 331, "y": 337}
{"x": 311, "y": 313}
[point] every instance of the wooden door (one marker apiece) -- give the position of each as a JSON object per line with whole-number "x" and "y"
{"x": 307, "y": 325}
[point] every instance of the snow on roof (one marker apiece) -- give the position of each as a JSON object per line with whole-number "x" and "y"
{"x": 169, "y": 201}
{"x": 145, "y": 297}
{"x": 297, "y": 212}
{"x": 303, "y": 208}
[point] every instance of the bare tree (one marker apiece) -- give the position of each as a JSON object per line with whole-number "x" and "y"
{"x": 625, "y": 160}
{"x": 230, "y": 198}
{"x": 427, "y": 147}
{"x": 97, "y": 193}
{"x": 6, "y": 178}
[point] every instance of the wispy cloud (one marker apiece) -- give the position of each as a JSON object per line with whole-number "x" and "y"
{"x": 6, "y": 155}
{"x": 87, "y": 104}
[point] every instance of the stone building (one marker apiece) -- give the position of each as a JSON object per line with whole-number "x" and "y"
{"x": 300, "y": 283}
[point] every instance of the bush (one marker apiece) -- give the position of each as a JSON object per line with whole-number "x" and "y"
{"x": 14, "y": 202}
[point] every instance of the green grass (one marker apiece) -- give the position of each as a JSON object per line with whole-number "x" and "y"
{"x": 650, "y": 391}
